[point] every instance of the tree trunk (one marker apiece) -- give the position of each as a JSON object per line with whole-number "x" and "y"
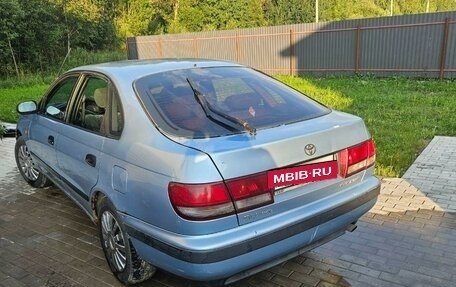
{"x": 176, "y": 9}
{"x": 14, "y": 58}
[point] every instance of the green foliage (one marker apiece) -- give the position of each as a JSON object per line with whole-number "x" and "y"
{"x": 281, "y": 12}
{"x": 10, "y": 19}
{"x": 77, "y": 57}
{"x": 176, "y": 16}
{"x": 10, "y": 15}
{"x": 351, "y": 9}
{"x": 11, "y": 97}
{"x": 36, "y": 35}
{"x": 40, "y": 33}
{"x": 2, "y": 130}
{"x": 134, "y": 18}
{"x": 38, "y": 22}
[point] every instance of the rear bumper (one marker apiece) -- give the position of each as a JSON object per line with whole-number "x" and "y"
{"x": 217, "y": 256}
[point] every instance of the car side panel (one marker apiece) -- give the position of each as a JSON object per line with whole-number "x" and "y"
{"x": 73, "y": 148}
{"x": 44, "y": 132}
{"x": 146, "y": 163}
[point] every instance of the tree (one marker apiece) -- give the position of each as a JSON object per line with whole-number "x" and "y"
{"x": 134, "y": 18}
{"x": 89, "y": 23}
{"x": 41, "y": 38}
{"x": 332, "y": 10}
{"x": 165, "y": 13}
{"x": 37, "y": 34}
{"x": 281, "y": 12}
{"x": 176, "y": 16}
{"x": 10, "y": 22}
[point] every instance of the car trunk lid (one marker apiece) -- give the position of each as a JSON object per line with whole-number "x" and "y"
{"x": 244, "y": 160}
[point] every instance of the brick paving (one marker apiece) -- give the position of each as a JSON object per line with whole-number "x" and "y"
{"x": 407, "y": 239}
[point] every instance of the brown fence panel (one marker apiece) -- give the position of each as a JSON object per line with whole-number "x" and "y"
{"x": 263, "y": 52}
{"x": 421, "y": 45}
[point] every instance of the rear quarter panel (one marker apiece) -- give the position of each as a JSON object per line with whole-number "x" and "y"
{"x": 138, "y": 167}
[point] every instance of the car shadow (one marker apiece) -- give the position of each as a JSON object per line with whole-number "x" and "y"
{"x": 408, "y": 45}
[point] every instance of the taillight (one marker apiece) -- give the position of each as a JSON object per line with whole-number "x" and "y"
{"x": 213, "y": 200}
{"x": 200, "y": 201}
{"x": 356, "y": 158}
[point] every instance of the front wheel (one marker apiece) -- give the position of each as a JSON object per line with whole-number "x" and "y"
{"x": 122, "y": 258}
{"x": 29, "y": 171}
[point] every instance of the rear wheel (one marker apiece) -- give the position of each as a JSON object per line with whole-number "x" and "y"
{"x": 122, "y": 258}
{"x": 29, "y": 171}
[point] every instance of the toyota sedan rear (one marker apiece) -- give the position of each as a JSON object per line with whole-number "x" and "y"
{"x": 207, "y": 169}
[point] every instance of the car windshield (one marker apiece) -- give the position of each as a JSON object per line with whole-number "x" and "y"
{"x": 178, "y": 101}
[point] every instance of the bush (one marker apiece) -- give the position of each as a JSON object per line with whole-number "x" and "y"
{"x": 77, "y": 57}
{"x": 2, "y": 130}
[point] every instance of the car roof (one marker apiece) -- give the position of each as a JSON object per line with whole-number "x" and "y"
{"x": 134, "y": 69}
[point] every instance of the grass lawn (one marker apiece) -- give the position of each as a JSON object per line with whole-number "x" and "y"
{"x": 403, "y": 115}
{"x": 10, "y": 97}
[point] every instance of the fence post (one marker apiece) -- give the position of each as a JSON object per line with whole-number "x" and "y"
{"x": 358, "y": 49}
{"x": 160, "y": 48}
{"x": 443, "y": 52}
{"x": 292, "y": 53}
{"x": 238, "y": 47}
{"x": 195, "y": 47}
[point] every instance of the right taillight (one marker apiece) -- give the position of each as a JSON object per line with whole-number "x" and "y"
{"x": 356, "y": 158}
{"x": 213, "y": 200}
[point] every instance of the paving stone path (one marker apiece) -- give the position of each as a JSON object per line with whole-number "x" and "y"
{"x": 407, "y": 239}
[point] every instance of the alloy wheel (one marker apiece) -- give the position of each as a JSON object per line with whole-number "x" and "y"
{"x": 113, "y": 241}
{"x": 26, "y": 164}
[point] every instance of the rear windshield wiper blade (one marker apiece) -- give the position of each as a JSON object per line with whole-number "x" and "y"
{"x": 218, "y": 116}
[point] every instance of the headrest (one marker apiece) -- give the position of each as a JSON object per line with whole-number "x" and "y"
{"x": 101, "y": 97}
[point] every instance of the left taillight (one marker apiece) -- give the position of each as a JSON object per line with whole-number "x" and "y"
{"x": 218, "y": 199}
{"x": 200, "y": 201}
{"x": 356, "y": 158}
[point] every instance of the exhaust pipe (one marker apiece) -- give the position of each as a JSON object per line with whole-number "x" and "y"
{"x": 351, "y": 227}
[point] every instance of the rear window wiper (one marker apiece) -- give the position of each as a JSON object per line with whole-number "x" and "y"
{"x": 219, "y": 116}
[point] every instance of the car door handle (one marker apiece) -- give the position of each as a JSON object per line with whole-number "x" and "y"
{"x": 91, "y": 160}
{"x": 51, "y": 140}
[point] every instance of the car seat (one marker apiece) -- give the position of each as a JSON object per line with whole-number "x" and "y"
{"x": 97, "y": 122}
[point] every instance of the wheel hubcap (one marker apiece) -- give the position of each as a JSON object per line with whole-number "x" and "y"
{"x": 26, "y": 164}
{"x": 113, "y": 241}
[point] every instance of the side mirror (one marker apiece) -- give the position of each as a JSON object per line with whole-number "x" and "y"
{"x": 55, "y": 112}
{"x": 27, "y": 107}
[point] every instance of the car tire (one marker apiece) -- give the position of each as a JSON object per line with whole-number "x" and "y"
{"x": 122, "y": 258}
{"x": 27, "y": 168}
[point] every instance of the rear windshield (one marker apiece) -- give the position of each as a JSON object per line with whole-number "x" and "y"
{"x": 178, "y": 101}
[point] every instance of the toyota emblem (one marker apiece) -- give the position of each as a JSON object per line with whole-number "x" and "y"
{"x": 310, "y": 149}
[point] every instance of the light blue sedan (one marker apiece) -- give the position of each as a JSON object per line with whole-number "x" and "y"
{"x": 207, "y": 169}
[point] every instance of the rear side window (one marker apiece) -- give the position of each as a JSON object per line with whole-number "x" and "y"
{"x": 184, "y": 102}
{"x": 98, "y": 108}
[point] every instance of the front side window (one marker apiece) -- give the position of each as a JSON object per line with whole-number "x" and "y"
{"x": 210, "y": 102}
{"x": 57, "y": 101}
